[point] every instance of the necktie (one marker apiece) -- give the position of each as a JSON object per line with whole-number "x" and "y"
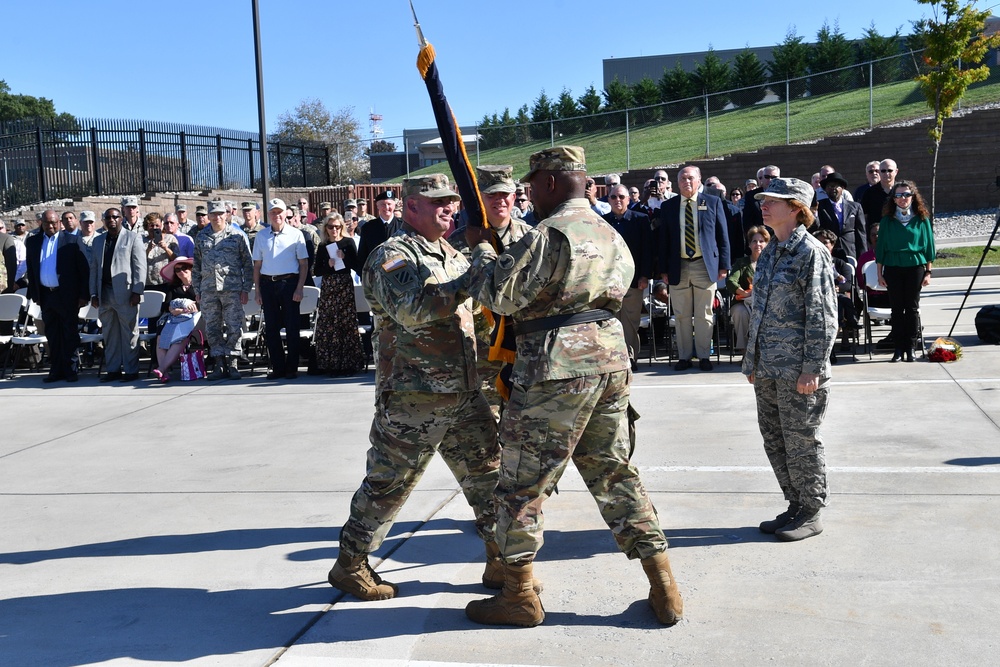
{"x": 838, "y": 208}
{"x": 689, "y": 229}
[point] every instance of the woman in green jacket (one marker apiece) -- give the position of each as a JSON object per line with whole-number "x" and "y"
{"x": 904, "y": 255}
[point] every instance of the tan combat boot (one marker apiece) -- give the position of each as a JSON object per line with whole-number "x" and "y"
{"x": 232, "y": 371}
{"x": 664, "y": 597}
{"x": 516, "y": 604}
{"x": 493, "y": 574}
{"x": 356, "y": 576}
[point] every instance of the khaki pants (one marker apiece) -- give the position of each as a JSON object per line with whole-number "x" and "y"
{"x": 692, "y": 299}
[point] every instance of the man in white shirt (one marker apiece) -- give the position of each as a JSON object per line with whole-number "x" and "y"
{"x": 280, "y": 269}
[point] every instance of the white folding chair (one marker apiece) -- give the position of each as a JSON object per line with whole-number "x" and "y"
{"x": 89, "y": 320}
{"x": 253, "y": 328}
{"x": 873, "y": 315}
{"x": 11, "y": 306}
{"x": 28, "y": 336}
{"x": 362, "y": 307}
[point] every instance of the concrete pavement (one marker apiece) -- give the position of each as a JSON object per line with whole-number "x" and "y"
{"x": 195, "y": 523}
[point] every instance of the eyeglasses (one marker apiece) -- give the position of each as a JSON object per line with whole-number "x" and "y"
{"x": 902, "y": 195}
{"x": 182, "y": 268}
{"x": 769, "y": 176}
{"x": 334, "y": 226}
{"x": 887, "y": 171}
{"x": 873, "y": 171}
{"x": 112, "y": 217}
{"x": 522, "y": 201}
{"x": 288, "y": 217}
{"x": 617, "y": 196}
{"x": 659, "y": 178}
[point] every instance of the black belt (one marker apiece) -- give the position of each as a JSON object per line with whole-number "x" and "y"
{"x": 691, "y": 259}
{"x": 556, "y": 321}
{"x": 51, "y": 289}
{"x": 283, "y": 276}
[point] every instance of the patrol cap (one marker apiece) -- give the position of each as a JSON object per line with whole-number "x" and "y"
{"x": 20, "y": 223}
{"x": 181, "y": 208}
{"x": 557, "y": 158}
{"x": 200, "y": 210}
{"x": 431, "y": 186}
{"x": 835, "y": 177}
{"x": 130, "y": 200}
{"x": 248, "y": 206}
{"x": 350, "y": 203}
{"x": 788, "y": 188}
{"x": 495, "y": 178}
{"x": 276, "y": 204}
{"x": 362, "y": 200}
{"x": 88, "y": 216}
{"x": 385, "y": 194}
{"x": 325, "y": 206}
{"x": 216, "y": 206}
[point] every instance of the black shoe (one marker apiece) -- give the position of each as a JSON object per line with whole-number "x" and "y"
{"x": 112, "y": 376}
{"x": 896, "y": 356}
{"x": 683, "y": 365}
{"x": 805, "y": 524}
{"x": 780, "y": 521}
{"x": 130, "y": 377}
{"x": 634, "y": 364}
{"x": 291, "y": 375}
{"x": 908, "y": 355}
{"x": 72, "y": 377}
{"x": 275, "y": 375}
{"x": 52, "y": 377}
{"x": 705, "y": 364}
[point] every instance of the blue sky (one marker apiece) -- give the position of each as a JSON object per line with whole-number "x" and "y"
{"x": 193, "y": 62}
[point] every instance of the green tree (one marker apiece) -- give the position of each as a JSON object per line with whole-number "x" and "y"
{"x": 28, "y": 108}
{"x": 617, "y": 97}
{"x": 487, "y": 135}
{"x": 677, "y": 90}
{"x": 541, "y": 113}
{"x": 710, "y": 77}
{"x": 831, "y": 51}
{"x": 789, "y": 60}
{"x": 523, "y": 119}
{"x": 566, "y": 110}
{"x": 312, "y": 123}
{"x": 590, "y": 102}
{"x": 750, "y": 75}
{"x": 882, "y": 51}
{"x": 381, "y": 146}
{"x": 646, "y": 95}
{"x": 956, "y": 47}
{"x": 508, "y": 133}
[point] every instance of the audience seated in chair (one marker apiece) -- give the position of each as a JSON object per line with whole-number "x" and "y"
{"x": 739, "y": 285}
{"x": 177, "y": 325}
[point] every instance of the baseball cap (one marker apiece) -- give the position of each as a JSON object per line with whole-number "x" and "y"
{"x": 276, "y": 204}
{"x": 557, "y": 158}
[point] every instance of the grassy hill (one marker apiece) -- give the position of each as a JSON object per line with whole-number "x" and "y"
{"x": 738, "y": 130}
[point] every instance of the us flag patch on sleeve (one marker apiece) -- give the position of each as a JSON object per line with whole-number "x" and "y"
{"x": 393, "y": 263}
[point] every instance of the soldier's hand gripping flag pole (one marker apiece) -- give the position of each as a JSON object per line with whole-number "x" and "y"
{"x": 502, "y": 343}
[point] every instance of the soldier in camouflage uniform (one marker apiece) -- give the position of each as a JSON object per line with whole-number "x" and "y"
{"x": 250, "y": 221}
{"x": 428, "y": 396}
{"x": 222, "y": 277}
{"x": 793, "y": 328}
{"x": 496, "y": 185}
{"x": 562, "y": 283}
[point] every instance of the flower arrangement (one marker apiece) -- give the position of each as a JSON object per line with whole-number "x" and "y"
{"x": 944, "y": 350}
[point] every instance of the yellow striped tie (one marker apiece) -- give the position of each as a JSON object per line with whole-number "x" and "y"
{"x": 689, "y": 229}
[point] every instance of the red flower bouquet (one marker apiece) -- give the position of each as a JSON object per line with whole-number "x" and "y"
{"x": 944, "y": 350}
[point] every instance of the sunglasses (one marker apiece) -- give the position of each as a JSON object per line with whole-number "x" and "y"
{"x": 660, "y": 178}
{"x": 769, "y": 176}
{"x": 617, "y": 196}
{"x": 903, "y": 195}
{"x": 334, "y": 226}
{"x": 886, "y": 171}
{"x": 112, "y": 217}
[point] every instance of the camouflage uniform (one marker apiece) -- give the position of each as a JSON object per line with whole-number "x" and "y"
{"x": 491, "y": 178}
{"x": 571, "y": 384}
{"x": 428, "y": 396}
{"x": 222, "y": 270}
{"x": 793, "y": 328}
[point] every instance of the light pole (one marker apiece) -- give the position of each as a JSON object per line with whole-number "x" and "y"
{"x": 264, "y": 165}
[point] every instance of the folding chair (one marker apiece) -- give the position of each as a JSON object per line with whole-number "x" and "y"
{"x": 150, "y": 309}
{"x": 364, "y": 330}
{"x": 253, "y": 329}
{"x": 89, "y": 320}
{"x": 873, "y": 316}
{"x": 28, "y": 336}
{"x": 11, "y": 306}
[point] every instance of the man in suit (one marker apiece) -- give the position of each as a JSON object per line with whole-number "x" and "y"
{"x": 375, "y": 232}
{"x": 694, "y": 256}
{"x": 633, "y": 226}
{"x": 58, "y": 282}
{"x": 752, "y": 216}
{"x": 842, "y": 217}
{"x": 117, "y": 276}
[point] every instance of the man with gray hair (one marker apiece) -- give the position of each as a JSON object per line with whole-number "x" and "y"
{"x": 752, "y": 216}
{"x": 876, "y": 195}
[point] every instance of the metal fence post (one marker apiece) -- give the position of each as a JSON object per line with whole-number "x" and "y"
{"x": 305, "y": 183}
{"x": 185, "y": 176}
{"x": 708, "y": 138}
{"x": 97, "y": 163}
{"x": 250, "y": 157}
{"x": 340, "y": 167}
{"x": 628, "y": 145}
{"x": 788, "y": 114}
{"x": 477, "y": 144}
{"x": 41, "y": 164}
{"x": 142, "y": 158}
{"x": 218, "y": 158}
{"x": 871, "y": 96}
{"x": 326, "y": 162}
{"x": 552, "y": 132}
{"x": 277, "y": 152}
